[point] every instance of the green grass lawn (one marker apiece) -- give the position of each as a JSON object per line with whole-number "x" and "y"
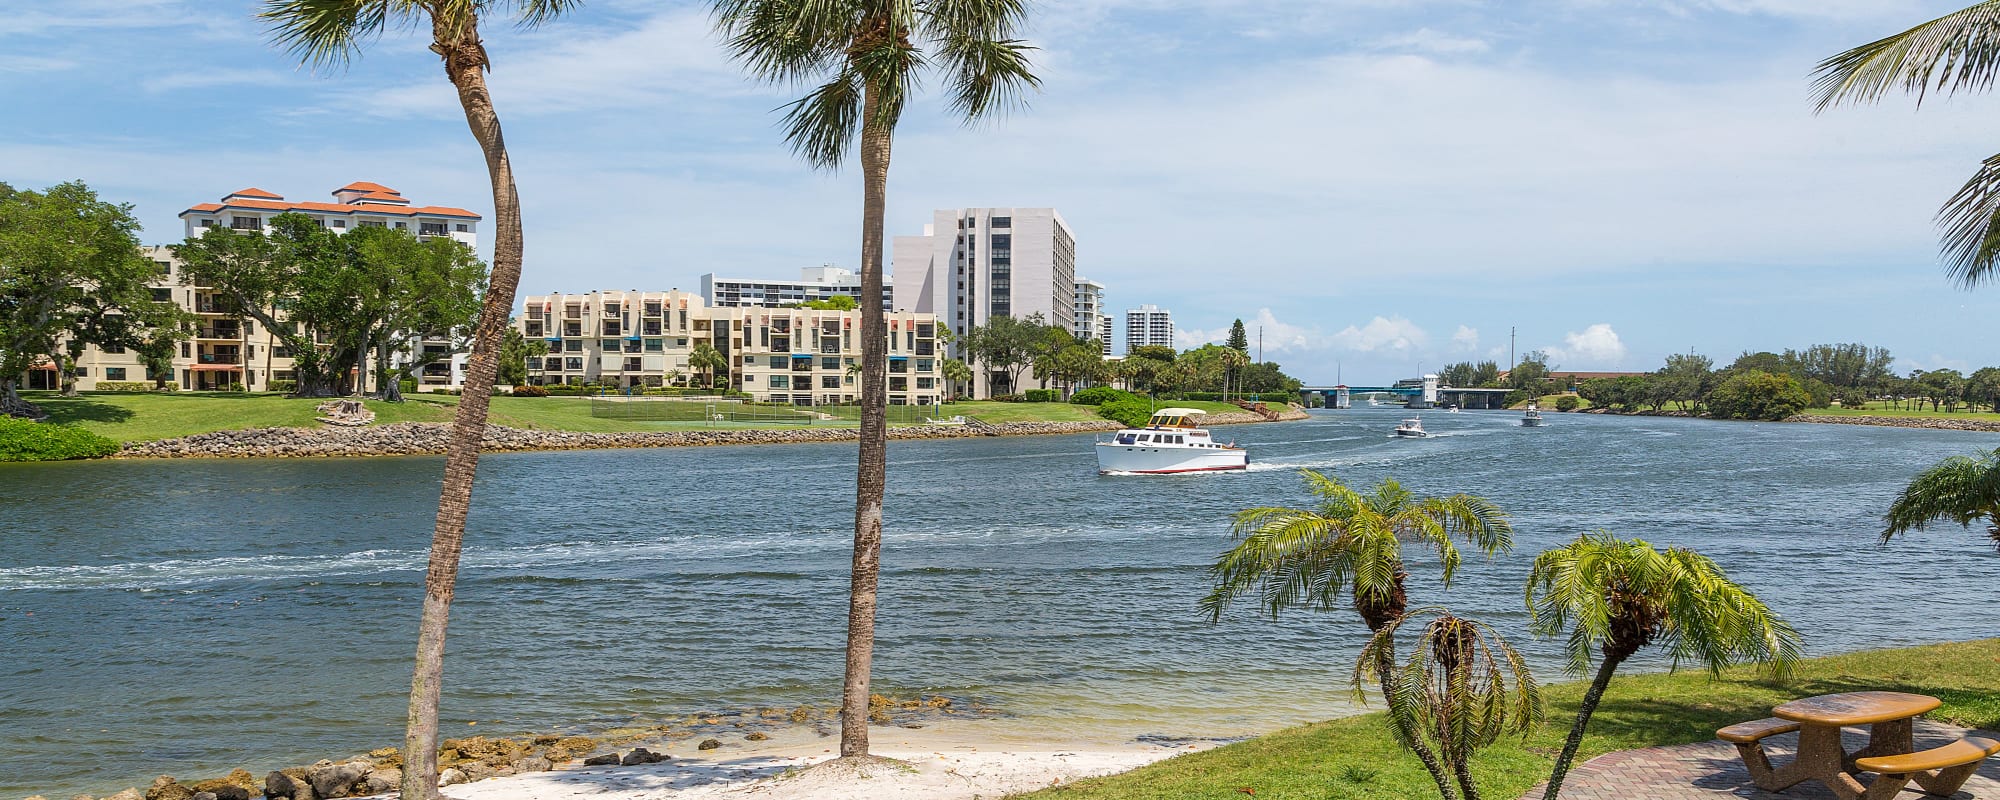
{"x": 132, "y": 416}
{"x": 1356, "y": 757}
{"x": 995, "y": 413}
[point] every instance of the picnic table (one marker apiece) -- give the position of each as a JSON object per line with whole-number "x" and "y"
{"x": 1890, "y": 752}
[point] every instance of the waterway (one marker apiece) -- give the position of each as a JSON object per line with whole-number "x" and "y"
{"x": 188, "y": 617}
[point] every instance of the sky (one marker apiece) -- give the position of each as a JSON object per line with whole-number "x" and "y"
{"x": 1380, "y": 187}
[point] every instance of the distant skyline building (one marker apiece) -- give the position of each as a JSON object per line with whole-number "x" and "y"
{"x": 814, "y": 283}
{"x": 973, "y": 264}
{"x": 1087, "y": 309}
{"x": 1148, "y": 325}
{"x": 359, "y": 204}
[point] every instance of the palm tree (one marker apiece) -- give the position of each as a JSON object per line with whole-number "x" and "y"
{"x": 707, "y": 360}
{"x": 1463, "y": 688}
{"x": 956, "y": 374}
{"x": 326, "y": 34}
{"x": 1233, "y": 362}
{"x": 1348, "y": 551}
{"x": 1959, "y": 489}
{"x": 865, "y": 57}
{"x": 1613, "y": 596}
{"x": 1947, "y": 55}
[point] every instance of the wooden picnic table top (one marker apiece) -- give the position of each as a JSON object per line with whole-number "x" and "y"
{"x": 1856, "y": 708}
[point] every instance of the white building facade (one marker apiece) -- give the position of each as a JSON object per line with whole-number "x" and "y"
{"x": 814, "y": 283}
{"x": 1148, "y": 325}
{"x": 973, "y": 264}
{"x": 1087, "y": 312}
{"x": 358, "y": 204}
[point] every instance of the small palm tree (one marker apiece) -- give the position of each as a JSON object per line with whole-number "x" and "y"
{"x": 1348, "y": 552}
{"x": 956, "y": 374}
{"x": 865, "y": 57}
{"x": 1953, "y": 53}
{"x": 1613, "y": 596}
{"x": 1463, "y": 688}
{"x": 327, "y": 33}
{"x": 1959, "y": 489}
{"x": 707, "y": 360}
{"x": 1233, "y": 362}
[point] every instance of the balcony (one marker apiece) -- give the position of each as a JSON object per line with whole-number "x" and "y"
{"x": 219, "y": 358}
{"x": 210, "y": 307}
{"x": 217, "y": 332}
{"x": 432, "y": 230}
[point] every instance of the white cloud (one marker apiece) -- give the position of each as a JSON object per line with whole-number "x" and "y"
{"x": 1465, "y": 338}
{"x": 1425, "y": 40}
{"x": 1265, "y": 329}
{"x": 1596, "y": 347}
{"x": 1383, "y": 334}
{"x": 211, "y": 79}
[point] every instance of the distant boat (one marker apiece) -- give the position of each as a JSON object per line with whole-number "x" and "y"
{"x": 1412, "y": 428}
{"x": 1531, "y": 418}
{"x": 1170, "y": 443}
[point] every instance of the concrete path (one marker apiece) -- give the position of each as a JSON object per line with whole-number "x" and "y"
{"x": 1710, "y": 770}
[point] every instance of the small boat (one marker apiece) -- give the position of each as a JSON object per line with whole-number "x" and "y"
{"x": 1412, "y": 428}
{"x": 1170, "y": 443}
{"x": 1531, "y": 418}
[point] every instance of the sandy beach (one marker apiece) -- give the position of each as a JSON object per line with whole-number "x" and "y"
{"x": 951, "y": 761}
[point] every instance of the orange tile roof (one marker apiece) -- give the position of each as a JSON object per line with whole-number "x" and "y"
{"x": 365, "y": 186}
{"x": 383, "y": 197}
{"x": 255, "y": 192}
{"x": 332, "y": 208}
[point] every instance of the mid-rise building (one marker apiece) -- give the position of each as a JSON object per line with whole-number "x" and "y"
{"x": 228, "y": 350}
{"x": 799, "y": 356}
{"x": 1090, "y": 323}
{"x": 1148, "y": 325}
{"x": 973, "y": 264}
{"x": 814, "y": 283}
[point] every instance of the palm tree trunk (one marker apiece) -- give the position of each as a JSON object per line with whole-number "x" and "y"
{"x": 464, "y": 61}
{"x": 1385, "y": 668}
{"x": 870, "y": 476}
{"x": 1575, "y": 740}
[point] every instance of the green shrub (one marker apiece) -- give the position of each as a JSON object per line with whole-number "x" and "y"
{"x": 1131, "y": 411}
{"x": 285, "y": 386}
{"x": 1098, "y": 395}
{"x": 408, "y": 385}
{"x": 21, "y": 440}
{"x": 1753, "y": 394}
{"x": 530, "y": 391}
{"x": 236, "y": 387}
{"x": 1008, "y": 398}
{"x": 123, "y": 386}
{"x": 1568, "y": 402}
{"x": 1043, "y": 396}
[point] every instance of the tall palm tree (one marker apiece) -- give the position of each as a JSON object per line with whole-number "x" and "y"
{"x": 863, "y": 58}
{"x": 327, "y": 33}
{"x": 707, "y": 360}
{"x": 1233, "y": 362}
{"x": 1463, "y": 687}
{"x": 1348, "y": 551}
{"x": 1613, "y": 596}
{"x": 1954, "y": 53}
{"x": 1959, "y": 489}
{"x": 956, "y": 374}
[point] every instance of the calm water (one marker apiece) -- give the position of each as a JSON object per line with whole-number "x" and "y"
{"x": 190, "y": 617}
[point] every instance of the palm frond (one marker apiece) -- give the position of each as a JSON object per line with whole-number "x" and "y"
{"x": 324, "y": 34}
{"x": 1959, "y": 489}
{"x": 1971, "y": 223}
{"x": 788, "y": 41}
{"x": 1957, "y": 52}
{"x": 821, "y": 126}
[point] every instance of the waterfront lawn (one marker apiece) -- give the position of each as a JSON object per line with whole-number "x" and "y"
{"x": 136, "y": 416}
{"x": 573, "y": 414}
{"x": 995, "y": 413}
{"x": 1357, "y": 758}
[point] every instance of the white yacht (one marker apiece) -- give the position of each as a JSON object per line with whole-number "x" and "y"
{"x": 1170, "y": 442}
{"x": 1531, "y": 418}
{"x": 1412, "y": 428}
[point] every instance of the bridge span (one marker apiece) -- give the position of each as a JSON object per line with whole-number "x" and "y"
{"x": 1422, "y": 392}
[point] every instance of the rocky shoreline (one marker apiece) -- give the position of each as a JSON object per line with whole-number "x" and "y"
{"x": 429, "y": 438}
{"x": 1928, "y": 423}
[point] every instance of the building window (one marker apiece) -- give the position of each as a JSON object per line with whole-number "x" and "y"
{"x": 573, "y": 364}
{"x": 402, "y": 226}
{"x": 245, "y": 223}
{"x": 778, "y": 381}
{"x": 163, "y": 295}
{"x": 1002, "y": 222}
{"x": 534, "y": 363}
{"x": 166, "y": 267}
{"x": 572, "y": 345}
{"x": 779, "y": 362}
{"x": 207, "y": 223}
{"x": 829, "y": 381}
{"x": 340, "y": 223}
{"x": 372, "y": 223}
{"x": 114, "y": 349}
{"x": 829, "y": 363}
{"x": 656, "y": 345}
{"x": 462, "y": 227}
{"x": 114, "y": 373}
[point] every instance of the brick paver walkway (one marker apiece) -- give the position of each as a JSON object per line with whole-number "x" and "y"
{"x": 1712, "y": 769}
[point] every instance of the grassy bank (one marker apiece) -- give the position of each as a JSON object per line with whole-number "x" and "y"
{"x": 1357, "y": 758}
{"x": 136, "y": 417}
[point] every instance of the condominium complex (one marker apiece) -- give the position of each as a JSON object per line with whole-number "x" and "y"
{"x": 973, "y": 264}
{"x": 226, "y": 349}
{"x": 814, "y": 283}
{"x": 1090, "y": 323}
{"x": 780, "y": 355}
{"x": 1148, "y": 325}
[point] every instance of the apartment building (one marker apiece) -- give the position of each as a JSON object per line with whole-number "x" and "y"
{"x": 973, "y": 264}
{"x": 226, "y": 349}
{"x": 1087, "y": 311}
{"x": 815, "y": 283}
{"x": 1148, "y": 325}
{"x": 804, "y": 357}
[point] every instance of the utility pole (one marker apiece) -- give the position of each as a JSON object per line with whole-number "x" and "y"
{"x": 1260, "y": 344}
{"x": 1511, "y": 363}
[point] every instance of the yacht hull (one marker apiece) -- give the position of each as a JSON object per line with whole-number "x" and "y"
{"x": 1169, "y": 459}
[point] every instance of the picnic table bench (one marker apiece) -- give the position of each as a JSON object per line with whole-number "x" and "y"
{"x": 1890, "y": 752}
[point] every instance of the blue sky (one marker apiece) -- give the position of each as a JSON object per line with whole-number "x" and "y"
{"x": 1383, "y": 185}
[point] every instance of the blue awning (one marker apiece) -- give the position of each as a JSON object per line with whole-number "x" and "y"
{"x": 899, "y": 358}
{"x": 803, "y": 355}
